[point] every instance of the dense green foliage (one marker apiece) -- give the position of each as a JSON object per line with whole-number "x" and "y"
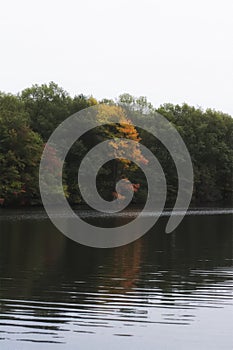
{"x": 28, "y": 119}
{"x": 20, "y": 151}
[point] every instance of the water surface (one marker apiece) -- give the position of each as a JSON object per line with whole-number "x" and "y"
{"x": 161, "y": 292}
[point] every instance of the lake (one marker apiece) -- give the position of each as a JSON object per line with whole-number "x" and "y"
{"x": 164, "y": 291}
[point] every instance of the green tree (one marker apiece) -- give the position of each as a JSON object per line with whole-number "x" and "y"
{"x": 208, "y": 136}
{"x": 20, "y": 151}
{"x": 47, "y": 106}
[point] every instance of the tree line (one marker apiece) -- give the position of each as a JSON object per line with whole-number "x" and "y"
{"x": 29, "y": 118}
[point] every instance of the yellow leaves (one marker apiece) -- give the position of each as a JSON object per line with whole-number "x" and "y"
{"x": 109, "y": 114}
{"x": 129, "y": 131}
{"x": 114, "y": 144}
{"x": 118, "y": 132}
{"x": 92, "y": 101}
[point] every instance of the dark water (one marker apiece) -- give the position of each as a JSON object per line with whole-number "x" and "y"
{"x": 161, "y": 292}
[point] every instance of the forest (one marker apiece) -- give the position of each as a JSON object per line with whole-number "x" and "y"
{"x": 28, "y": 118}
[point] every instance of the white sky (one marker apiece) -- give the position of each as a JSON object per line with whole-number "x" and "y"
{"x": 168, "y": 50}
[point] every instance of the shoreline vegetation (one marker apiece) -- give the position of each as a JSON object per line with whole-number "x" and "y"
{"x": 135, "y": 206}
{"x": 28, "y": 119}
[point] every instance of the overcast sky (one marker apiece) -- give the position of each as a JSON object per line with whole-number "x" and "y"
{"x": 168, "y": 50}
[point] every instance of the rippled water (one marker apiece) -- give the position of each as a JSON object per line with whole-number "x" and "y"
{"x": 161, "y": 292}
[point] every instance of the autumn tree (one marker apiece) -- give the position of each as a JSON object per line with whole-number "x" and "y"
{"x": 119, "y": 133}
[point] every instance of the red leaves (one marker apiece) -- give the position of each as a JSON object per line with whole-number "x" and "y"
{"x": 126, "y": 186}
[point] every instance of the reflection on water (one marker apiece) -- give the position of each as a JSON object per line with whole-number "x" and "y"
{"x": 162, "y": 291}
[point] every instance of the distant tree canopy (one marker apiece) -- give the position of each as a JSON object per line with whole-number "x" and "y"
{"x": 29, "y": 118}
{"x": 20, "y": 152}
